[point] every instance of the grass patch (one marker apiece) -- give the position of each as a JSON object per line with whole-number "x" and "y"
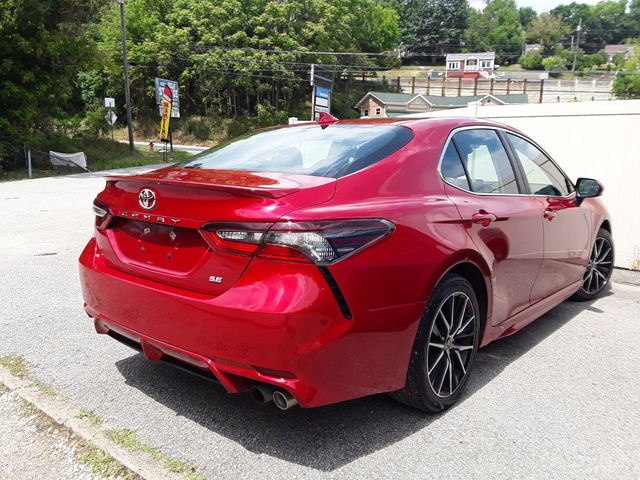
{"x": 17, "y": 365}
{"x": 102, "y": 463}
{"x": 27, "y": 408}
{"x": 128, "y": 439}
{"x": 48, "y": 390}
{"x": 98, "y": 460}
{"x": 102, "y": 154}
{"x": 90, "y": 416}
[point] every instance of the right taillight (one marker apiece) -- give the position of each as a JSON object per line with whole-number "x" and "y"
{"x": 323, "y": 242}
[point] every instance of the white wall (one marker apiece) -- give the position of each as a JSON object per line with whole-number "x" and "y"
{"x": 592, "y": 139}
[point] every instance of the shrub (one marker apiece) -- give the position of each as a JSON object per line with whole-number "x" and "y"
{"x": 627, "y": 86}
{"x": 10, "y": 156}
{"x": 554, "y": 63}
{"x": 268, "y": 115}
{"x": 238, "y": 126}
{"x": 531, "y": 61}
{"x": 198, "y": 128}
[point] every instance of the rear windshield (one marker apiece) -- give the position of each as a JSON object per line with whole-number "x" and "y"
{"x": 334, "y": 151}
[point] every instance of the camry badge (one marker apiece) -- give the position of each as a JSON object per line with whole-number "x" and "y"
{"x": 147, "y": 199}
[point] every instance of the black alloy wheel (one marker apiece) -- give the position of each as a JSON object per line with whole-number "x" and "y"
{"x": 445, "y": 347}
{"x": 599, "y": 269}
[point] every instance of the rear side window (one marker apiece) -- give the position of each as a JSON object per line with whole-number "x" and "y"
{"x": 486, "y": 161}
{"x": 333, "y": 151}
{"x": 542, "y": 175}
{"x": 452, "y": 169}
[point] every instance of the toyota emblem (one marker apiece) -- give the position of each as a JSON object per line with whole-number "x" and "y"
{"x": 147, "y": 198}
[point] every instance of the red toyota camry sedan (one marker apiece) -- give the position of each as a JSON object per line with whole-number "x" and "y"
{"x": 322, "y": 262}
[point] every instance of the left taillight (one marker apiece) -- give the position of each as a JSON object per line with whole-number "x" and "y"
{"x": 322, "y": 242}
{"x": 102, "y": 213}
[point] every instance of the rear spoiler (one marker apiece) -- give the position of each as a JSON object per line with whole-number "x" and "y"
{"x": 276, "y": 191}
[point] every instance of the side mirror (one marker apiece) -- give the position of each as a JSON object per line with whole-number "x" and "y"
{"x": 588, "y": 188}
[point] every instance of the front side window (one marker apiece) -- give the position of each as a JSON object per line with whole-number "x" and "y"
{"x": 333, "y": 151}
{"x": 486, "y": 162}
{"x": 485, "y": 63}
{"x": 453, "y": 65}
{"x": 472, "y": 63}
{"x": 542, "y": 175}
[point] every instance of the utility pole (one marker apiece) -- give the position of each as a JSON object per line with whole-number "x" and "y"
{"x": 125, "y": 65}
{"x": 575, "y": 51}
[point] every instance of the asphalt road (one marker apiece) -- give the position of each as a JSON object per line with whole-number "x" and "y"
{"x": 561, "y": 399}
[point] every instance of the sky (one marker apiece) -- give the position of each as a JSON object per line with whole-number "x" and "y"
{"x": 538, "y": 5}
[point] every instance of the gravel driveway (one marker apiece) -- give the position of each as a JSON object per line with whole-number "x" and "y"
{"x": 561, "y": 399}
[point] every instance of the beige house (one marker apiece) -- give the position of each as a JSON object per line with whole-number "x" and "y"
{"x": 389, "y": 105}
{"x": 471, "y": 65}
{"x": 612, "y": 50}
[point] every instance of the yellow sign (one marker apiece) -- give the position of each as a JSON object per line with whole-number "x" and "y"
{"x": 167, "y": 100}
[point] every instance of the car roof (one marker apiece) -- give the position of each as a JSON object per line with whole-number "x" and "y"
{"x": 418, "y": 125}
{"x": 428, "y": 123}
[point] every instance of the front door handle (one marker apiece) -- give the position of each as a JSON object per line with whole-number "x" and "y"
{"x": 550, "y": 214}
{"x": 483, "y": 218}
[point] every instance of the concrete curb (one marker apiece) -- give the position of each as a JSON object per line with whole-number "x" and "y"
{"x": 60, "y": 412}
{"x": 626, "y": 277}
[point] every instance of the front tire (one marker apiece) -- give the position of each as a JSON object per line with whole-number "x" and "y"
{"x": 445, "y": 347}
{"x": 598, "y": 273}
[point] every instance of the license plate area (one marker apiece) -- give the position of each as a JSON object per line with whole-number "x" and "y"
{"x": 160, "y": 247}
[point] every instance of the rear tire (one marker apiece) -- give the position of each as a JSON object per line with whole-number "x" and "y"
{"x": 444, "y": 348}
{"x": 598, "y": 273}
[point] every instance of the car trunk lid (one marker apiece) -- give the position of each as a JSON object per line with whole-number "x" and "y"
{"x": 162, "y": 240}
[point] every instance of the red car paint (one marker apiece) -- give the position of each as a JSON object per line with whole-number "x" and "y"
{"x": 277, "y": 321}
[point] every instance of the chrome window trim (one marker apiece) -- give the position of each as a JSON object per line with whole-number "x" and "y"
{"x": 505, "y": 130}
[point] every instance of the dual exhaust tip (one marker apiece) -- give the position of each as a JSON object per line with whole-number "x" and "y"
{"x": 265, "y": 393}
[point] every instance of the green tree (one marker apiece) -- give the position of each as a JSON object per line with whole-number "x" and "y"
{"x": 605, "y": 22}
{"x": 230, "y": 56}
{"x": 548, "y": 30}
{"x": 527, "y": 15}
{"x": 497, "y": 28}
{"x": 631, "y": 22}
{"x": 432, "y": 27}
{"x": 627, "y": 86}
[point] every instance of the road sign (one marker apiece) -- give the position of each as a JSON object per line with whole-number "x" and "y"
{"x": 175, "y": 112}
{"x": 167, "y": 101}
{"x": 175, "y": 104}
{"x": 111, "y": 117}
{"x": 321, "y": 100}
{"x": 109, "y": 102}
{"x": 322, "y": 85}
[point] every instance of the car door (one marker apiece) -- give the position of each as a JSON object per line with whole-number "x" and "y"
{"x": 505, "y": 225}
{"x": 566, "y": 225}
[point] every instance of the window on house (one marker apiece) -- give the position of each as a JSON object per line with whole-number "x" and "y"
{"x": 486, "y": 63}
{"x": 378, "y": 111}
{"x": 472, "y": 62}
{"x": 453, "y": 65}
{"x": 366, "y": 113}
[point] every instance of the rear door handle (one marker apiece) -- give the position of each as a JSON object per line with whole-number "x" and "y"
{"x": 550, "y": 214}
{"x": 483, "y": 218}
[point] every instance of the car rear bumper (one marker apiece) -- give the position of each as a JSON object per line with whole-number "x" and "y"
{"x": 278, "y": 326}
